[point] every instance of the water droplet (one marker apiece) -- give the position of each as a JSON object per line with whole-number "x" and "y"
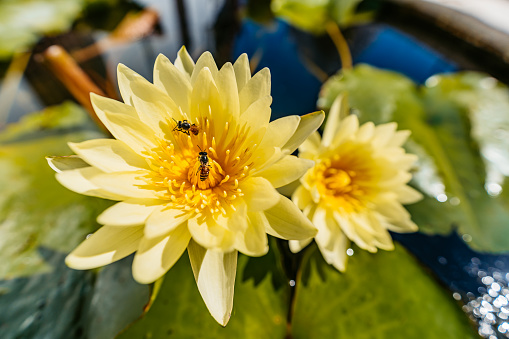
{"x": 455, "y": 201}
{"x": 493, "y": 189}
{"x": 466, "y": 237}
{"x": 432, "y": 81}
{"x": 441, "y": 197}
{"x": 291, "y": 283}
{"x": 456, "y": 296}
{"x": 349, "y": 252}
{"x": 442, "y": 260}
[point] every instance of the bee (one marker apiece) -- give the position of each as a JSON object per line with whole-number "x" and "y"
{"x": 185, "y": 126}
{"x": 204, "y": 168}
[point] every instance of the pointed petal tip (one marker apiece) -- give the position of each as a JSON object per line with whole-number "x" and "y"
{"x": 222, "y": 319}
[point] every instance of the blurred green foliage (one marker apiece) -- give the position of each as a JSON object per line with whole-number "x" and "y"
{"x": 22, "y": 22}
{"x": 313, "y": 15}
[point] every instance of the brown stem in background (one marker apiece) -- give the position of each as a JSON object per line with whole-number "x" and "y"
{"x": 67, "y": 70}
{"x": 341, "y": 45}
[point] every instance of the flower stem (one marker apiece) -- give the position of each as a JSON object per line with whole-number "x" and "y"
{"x": 341, "y": 45}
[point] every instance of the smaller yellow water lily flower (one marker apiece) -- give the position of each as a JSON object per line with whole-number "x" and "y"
{"x": 195, "y": 165}
{"x": 357, "y": 187}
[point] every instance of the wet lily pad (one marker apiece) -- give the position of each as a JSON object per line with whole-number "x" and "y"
{"x": 66, "y": 303}
{"x": 383, "y": 295}
{"x": 458, "y": 123}
{"x": 35, "y": 210}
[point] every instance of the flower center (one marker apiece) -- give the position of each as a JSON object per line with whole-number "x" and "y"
{"x": 346, "y": 179}
{"x": 197, "y": 172}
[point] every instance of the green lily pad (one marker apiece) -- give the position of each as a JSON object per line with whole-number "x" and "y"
{"x": 383, "y": 295}
{"x": 313, "y": 15}
{"x": 66, "y": 303}
{"x": 259, "y": 308}
{"x": 35, "y": 210}
{"x": 458, "y": 124}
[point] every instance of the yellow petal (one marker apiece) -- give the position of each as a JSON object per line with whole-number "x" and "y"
{"x": 206, "y": 60}
{"x": 156, "y": 256}
{"x": 326, "y": 225}
{"x": 339, "y": 107}
{"x": 125, "y": 76}
{"x": 184, "y": 62}
{"x": 169, "y": 79}
{"x": 253, "y": 241}
{"x": 103, "y": 104}
{"x": 346, "y": 130}
{"x": 164, "y": 220}
{"x": 128, "y": 213}
{"x": 335, "y": 254}
{"x": 79, "y": 181}
{"x": 242, "y": 71}
{"x": 65, "y": 163}
{"x": 308, "y": 124}
{"x": 155, "y": 108}
{"x": 258, "y": 114}
{"x": 383, "y": 134}
{"x": 126, "y": 184}
{"x": 301, "y": 197}
{"x": 257, "y": 87}
{"x": 309, "y": 148}
{"x": 354, "y": 229}
{"x": 205, "y": 101}
{"x": 227, "y": 86}
{"x": 402, "y": 226}
{"x": 280, "y": 131}
{"x": 259, "y": 194}
{"x": 365, "y": 132}
{"x": 298, "y": 245}
{"x": 392, "y": 210}
{"x": 408, "y": 195}
{"x": 212, "y": 234}
{"x": 109, "y": 155}
{"x": 331, "y": 241}
{"x": 288, "y": 189}
{"x": 382, "y": 237}
{"x": 138, "y": 136}
{"x": 286, "y": 170}
{"x": 237, "y": 220}
{"x": 286, "y": 221}
{"x": 214, "y": 273}
{"x": 106, "y": 245}
{"x": 399, "y": 138}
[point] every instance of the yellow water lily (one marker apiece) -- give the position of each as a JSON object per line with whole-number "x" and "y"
{"x": 194, "y": 165}
{"x": 357, "y": 187}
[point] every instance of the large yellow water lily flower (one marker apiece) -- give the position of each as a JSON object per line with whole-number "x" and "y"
{"x": 172, "y": 197}
{"x": 357, "y": 187}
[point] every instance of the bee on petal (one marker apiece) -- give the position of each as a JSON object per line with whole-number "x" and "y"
{"x": 204, "y": 168}
{"x": 185, "y": 126}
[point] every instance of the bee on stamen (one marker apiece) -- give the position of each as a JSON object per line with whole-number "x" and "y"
{"x": 204, "y": 168}
{"x": 185, "y": 126}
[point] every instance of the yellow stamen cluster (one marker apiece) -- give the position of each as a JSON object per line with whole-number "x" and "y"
{"x": 343, "y": 179}
{"x": 175, "y": 169}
